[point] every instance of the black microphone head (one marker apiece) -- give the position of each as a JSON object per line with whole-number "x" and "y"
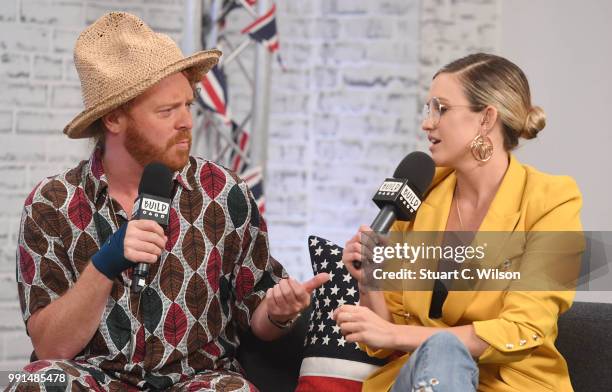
{"x": 418, "y": 168}
{"x": 156, "y": 180}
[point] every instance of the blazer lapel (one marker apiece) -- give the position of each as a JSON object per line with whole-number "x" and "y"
{"x": 431, "y": 217}
{"x": 502, "y": 216}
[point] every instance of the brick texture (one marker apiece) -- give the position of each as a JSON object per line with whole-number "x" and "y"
{"x": 344, "y": 112}
{"x": 341, "y": 117}
{"x": 40, "y": 94}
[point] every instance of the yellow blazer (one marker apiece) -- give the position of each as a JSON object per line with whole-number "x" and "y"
{"x": 520, "y": 326}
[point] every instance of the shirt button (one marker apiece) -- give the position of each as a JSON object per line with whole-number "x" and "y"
{"x": 509, "y": 346}
{"x": 535, "y": 337}
{"x": 522, "y": 342}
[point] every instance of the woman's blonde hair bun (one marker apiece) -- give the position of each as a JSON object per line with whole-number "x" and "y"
{"x": 534, "y": 123}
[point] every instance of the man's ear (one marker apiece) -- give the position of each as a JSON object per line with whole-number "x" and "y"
{"x": 115, "y": 121}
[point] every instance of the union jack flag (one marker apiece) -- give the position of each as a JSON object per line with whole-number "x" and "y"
{"x": 264, "y": 30}
{"x": 241, "y": 138}
{"x": 252, "y": 175}
{"x": 254, "y": 179}
{"x": 229, "y": 6}
{"x": 213, "y": 93}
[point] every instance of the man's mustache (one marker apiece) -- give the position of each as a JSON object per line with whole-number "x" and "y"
{"x": 179, "y": 139}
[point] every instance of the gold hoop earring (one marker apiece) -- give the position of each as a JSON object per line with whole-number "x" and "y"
{"x": 482, "y": 148}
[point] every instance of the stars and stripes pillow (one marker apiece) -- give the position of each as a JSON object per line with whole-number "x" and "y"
{"x": 330, "y": 362}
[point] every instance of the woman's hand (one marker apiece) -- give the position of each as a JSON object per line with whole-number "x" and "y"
{"x": 359, "y": 250}
{"x": 359, "y": 324}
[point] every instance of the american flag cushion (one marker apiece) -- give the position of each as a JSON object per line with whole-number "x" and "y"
{"x": 330, "y": 362}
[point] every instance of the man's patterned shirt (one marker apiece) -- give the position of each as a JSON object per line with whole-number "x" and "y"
{"x": 210, "y": 278}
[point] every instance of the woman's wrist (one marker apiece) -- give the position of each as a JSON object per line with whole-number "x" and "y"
{"x": 401, "y": 338}
{"x": 362, "y": 288}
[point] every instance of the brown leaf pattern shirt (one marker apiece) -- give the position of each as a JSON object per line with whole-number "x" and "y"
{"x": 214, "y": 271}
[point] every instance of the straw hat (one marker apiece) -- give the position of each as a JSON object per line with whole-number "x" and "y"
{"x": 118, "y": 57}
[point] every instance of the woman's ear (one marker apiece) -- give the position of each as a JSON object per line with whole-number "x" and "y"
{"x": 489, "y": 118}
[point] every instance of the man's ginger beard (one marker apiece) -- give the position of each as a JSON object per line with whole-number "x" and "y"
{"x": 144, "y": 152}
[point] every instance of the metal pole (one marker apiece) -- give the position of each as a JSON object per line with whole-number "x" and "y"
{"x": 190, "y": 42}
{"x": 211, "y": 139}
{"x": 261, "y": 101}
{"x": 213, "y": 36}
{"x": 226, "y": 60}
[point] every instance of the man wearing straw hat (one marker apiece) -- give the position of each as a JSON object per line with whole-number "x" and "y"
{"x": 211, "y": 275}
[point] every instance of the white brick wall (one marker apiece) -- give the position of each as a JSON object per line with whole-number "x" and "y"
{"x": 342, "y": 116}
{"x": 340, "y": 102}
{"x": 345, "y": 111}
{"x": 318, "y": 110}
{"x": 40, "y": 94}
{"x": 452, "y": 28}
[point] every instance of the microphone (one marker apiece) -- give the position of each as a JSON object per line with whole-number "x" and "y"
{"x": 400, "y": 197}
{"x": 153, "y": 202}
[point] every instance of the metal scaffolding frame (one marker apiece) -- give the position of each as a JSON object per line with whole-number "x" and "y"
{"x": 212, "y": 138}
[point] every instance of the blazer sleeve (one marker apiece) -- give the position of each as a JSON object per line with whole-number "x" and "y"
{"x": 380, "y": 353}
{"x": 528, "y": 318}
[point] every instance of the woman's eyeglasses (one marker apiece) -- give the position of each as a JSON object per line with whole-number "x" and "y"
{"x": 434, "y": 109}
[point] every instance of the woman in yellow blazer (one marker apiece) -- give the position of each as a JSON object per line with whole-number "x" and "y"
{"x": 477, "y": 109}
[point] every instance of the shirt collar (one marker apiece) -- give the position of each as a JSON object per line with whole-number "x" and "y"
{"x": 95, "y": 172}
{"x": 186, "y": 176}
